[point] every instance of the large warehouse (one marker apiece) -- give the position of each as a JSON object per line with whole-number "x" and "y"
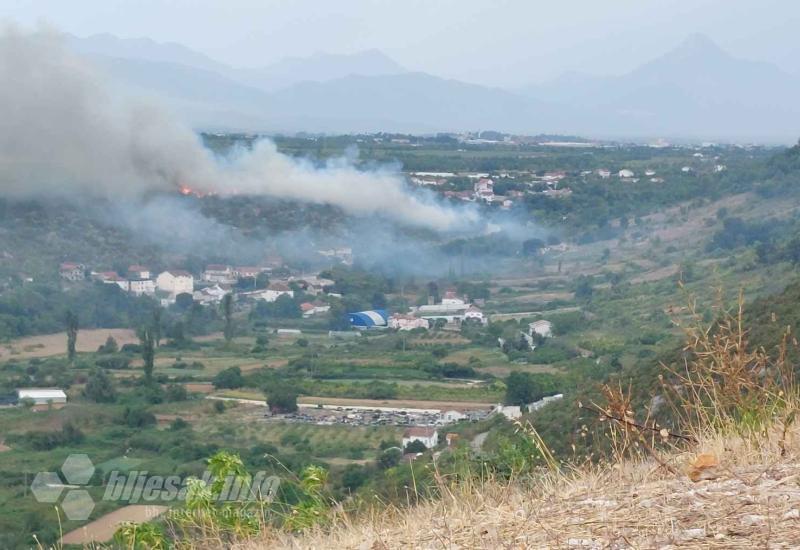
{"x": 375, "y": 318}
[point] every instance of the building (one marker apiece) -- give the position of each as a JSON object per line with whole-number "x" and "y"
{"x": 142, "y": 286}
{"x": 427, "y": 436}
{"x": 484, "y": 189}
{"x": 314, "y": 308}
{"x": 625, "y": 173}
{"x": 451, "y": 298}
{"x": 449, "y": 417}
{"x": 72, "y": 271}
{"x": 210, "y": 295}
{"x": 217, "y": 273}
{"x": 407, "y": 322}
{"x": 42, "y": 398}
{"x": 276, "y": 290}
{"x": 247, "y": 272}
{"x": 474, "y": 314}
{"x": 535, "y": 406}
{"x": 542, "y": 328}
{"x": 112, "y": 278}
{"x": 138, "y": 272}
{"x": 175, "y": 281}
{"x": 375, "y": 318}
{"x": 603, "y": 173}
{"x": 512, "y": 412}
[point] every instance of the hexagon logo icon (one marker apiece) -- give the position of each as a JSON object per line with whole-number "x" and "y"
{"x": 47, "y": 487}
{"x": 77, "y": 503}
{"x": 77, "y": 469}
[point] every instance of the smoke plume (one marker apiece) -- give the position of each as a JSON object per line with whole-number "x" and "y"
{"x": 64, "y": 130}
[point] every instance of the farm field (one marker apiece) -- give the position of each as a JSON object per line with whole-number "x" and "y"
{"x": 102, "y": 529}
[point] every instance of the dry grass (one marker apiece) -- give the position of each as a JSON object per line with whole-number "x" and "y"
{"x": 753, "y": 501}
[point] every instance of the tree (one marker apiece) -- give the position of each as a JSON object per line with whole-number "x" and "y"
{"x": 337, "y": 317}
{"x": 72, "y": 334}
{"x": 148, "y": 352}
{"x": 109, "y": 347}
{"x": 415, "y": 446}
{"x": 99, "y": 387}
{"x": 157, "y": 326}
{"x": 227, "y": 312}
{"x": 524, "y": 387}
{"x": 230, "y": 378}
{"x": 531, "y": 247}
{"x": 583, "y": 288}
{"x": 176, "y": 392}
{"x": 281, "y": 399}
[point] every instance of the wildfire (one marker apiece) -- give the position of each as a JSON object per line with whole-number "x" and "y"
{"x": 185, "y": 190}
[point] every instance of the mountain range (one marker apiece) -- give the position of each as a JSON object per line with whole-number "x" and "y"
{"x": 697, "y": 90}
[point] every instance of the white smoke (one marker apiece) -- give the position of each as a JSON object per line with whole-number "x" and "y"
{"x": 65, "y": 130}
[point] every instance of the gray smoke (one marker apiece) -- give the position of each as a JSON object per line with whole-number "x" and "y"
{"x": 64, "y": 130}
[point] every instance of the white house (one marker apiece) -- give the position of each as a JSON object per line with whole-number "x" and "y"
{"x": 112, "y": 278}
{"x": 43, "y": 397}
{"x": 542, "y": 328}
{"x": 451, "y": 298}
{"x": 512, "y": 412}
{"x": 625, "y": 173}
{"x": 314, "y": 308}
{"x": 210, "y": 295}
{"x": 428, "y": 436}
{"x": 72, "y": 271}
{"x": 448, "y": 417}
{"x": 603, "y": 173}
{"x": 216, "y": 273}
{"x": 407, "y": 322}
{"x": 138, "y": 272}
{"x": 275, "y": 290}
{"x": 474, "y": 314}
{"x": 142, "y": 286}
{"x": 484, "y": 189}
{"x": 175, "y": 281}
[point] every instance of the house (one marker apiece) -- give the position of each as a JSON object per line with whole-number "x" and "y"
{"x": 451, "y": 298}
{"x": 542, "y": 327}
{"x": 484, "y": 189}
{"x": 142, "y": 286}
{"x": 451, "y": 438}
{"x": 217, "y": 273}
{"x": 42, "y": 398}
{"x": 448, "y": 417}
{"x": 138, "y": 272}
{"x": 210, "y": 295}
{"x": 407, "y": 322}
{"x": 686, "y": 169}
{"x": 474, "y": 314}
{"x": 427, "y": 436}
{"x": 625, "y": 173}
{"x": 247, "y": 271}
{"x": 72, "y": 271}
{"x": 375, "y": 318}
{"x": 276, "y": 290}
{"x": 175, "y": 281}
{"x": 314, "y": 308}
{"x": 649, "y": 173}
{"x": 603, "y": 173}
{"x": 112, "y": 278}
{"x": 512, "y": 412}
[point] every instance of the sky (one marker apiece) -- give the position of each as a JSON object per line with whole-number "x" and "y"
{"x": 506, "y": 43}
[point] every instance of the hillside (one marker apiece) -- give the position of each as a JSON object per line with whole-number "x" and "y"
{"x": 752, "y": 501}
